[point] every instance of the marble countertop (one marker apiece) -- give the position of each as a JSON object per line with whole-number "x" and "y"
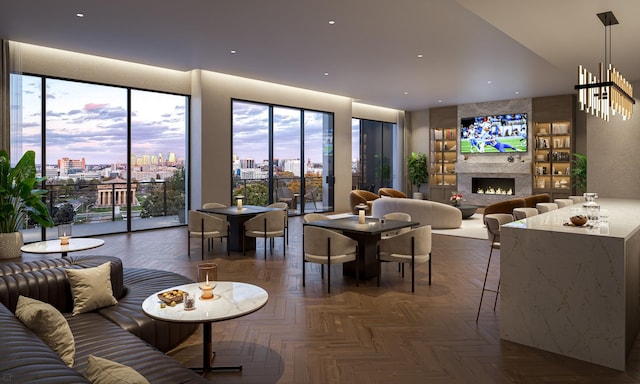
{"x": 623, "y": 220}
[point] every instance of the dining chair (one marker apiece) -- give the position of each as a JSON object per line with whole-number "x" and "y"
{"x": 546, "y": 207}
{"x": 493, "y": 221}
{"x": 285, "y": 195}
{"x": 212, "y": 205}
{"x": 324, "y": 246}
{"x": 578, "y": 199}
{"x": 524, "y": 212}
{"x": 400, "y": 216}
{"x": 267, "y": 225}
{"x": 563, "y": 202}
{"x": 206, "y": 226}
{"x": 311, "y": 195}
{"x": 412, "y": 247}
{"x": 310, "y": 217}
{"x": 285, "y": 207}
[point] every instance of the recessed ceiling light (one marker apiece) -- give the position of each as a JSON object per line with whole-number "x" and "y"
{"x": 489, "y": 82}
{"x": 80, "y": 15}
{"x": 233, "y": 51}
{"x": 420, "y": 55}
{"x": 406, "y": 93}
{"x": 439, "y": 100}
{"x": 517, "y": 92}
{"x": 332, "y": 22}
{"x": 326, "y": 73}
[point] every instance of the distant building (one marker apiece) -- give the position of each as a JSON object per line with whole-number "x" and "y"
{"x": 115, "y": 192}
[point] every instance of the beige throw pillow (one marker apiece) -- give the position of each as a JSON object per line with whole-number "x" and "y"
{"x": 103, "y": 371}
{"x": 91, "y": 288}
{"x": 48, "y": 323}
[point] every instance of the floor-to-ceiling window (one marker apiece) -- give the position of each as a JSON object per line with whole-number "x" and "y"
{"x": 372, "y": 154}
{"x": 114, "y": 157}
{"x": 282, "y": 154}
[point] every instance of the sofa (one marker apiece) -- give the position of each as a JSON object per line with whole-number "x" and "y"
{"x": 120, "y": 332}
{"x": 360, "y": 196}
{"x": 426, "y": 212}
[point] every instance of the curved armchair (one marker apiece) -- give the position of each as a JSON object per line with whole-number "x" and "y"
{"x": 360, "y": 196}
{"x": 324, "y": 246}
{"x": 410, "y": 247}
{"x": 206, "y": 226}
{"x": 268, "y": 225}
{"x": 390, "y": 192}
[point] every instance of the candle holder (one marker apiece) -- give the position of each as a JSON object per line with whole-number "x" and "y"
{"x": 207, "y": 274}
{"x": 207, "y": 292}
{"x": 361, "y": 211}
{"x": 239, "y": 199}
{"x": 64, "y": 233}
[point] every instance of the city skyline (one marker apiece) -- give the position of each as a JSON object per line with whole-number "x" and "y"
{"x": 89, "y": 120}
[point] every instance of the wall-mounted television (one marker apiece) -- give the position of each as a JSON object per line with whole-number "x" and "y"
{"x": 494, "y": 134}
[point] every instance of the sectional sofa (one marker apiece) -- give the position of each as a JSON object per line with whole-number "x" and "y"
{"x": 121, "y": 333}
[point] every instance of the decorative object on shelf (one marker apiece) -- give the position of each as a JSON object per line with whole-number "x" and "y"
{"x": 19, "y": 197}
{"x": 609, "y": 92}
{"x": 418, "y": 166}
{"x": 455, "y": 198}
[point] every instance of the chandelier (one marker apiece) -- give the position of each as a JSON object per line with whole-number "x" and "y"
{"x": 609, "y": 93}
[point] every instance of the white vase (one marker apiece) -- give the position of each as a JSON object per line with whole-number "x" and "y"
{"x": 10, "y": 244}
{"x": 418, "y": 195}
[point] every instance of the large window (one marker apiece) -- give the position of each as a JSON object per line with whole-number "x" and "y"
{"x": 114, "y": 157}
{"x": 372, "y": 154}
{"x": 283, "y": 154}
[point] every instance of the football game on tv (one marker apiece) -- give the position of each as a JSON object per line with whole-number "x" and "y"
{"x": 494, "y": 134}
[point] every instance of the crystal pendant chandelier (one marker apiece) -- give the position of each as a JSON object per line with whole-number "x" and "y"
{"x": 609, "y": 93}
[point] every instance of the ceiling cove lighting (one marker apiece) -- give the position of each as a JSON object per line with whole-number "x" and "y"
{"x": 608, "y": 93}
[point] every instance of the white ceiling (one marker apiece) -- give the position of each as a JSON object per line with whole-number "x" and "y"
{"x": 370, "y": 53}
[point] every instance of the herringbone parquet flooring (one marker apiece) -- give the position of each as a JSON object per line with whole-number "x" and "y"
{"x": 364, "y": 334}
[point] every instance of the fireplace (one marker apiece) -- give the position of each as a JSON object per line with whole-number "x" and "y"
{"x": 493, "y": 185}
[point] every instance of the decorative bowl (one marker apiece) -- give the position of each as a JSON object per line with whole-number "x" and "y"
{"x": 578, "y": 220}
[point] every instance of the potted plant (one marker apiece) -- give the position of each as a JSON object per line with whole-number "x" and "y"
{"x": 19, "y": 198}
{"x": 579, "y": 172}
{"x": 418, "y": 172}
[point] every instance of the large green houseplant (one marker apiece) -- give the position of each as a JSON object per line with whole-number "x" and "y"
{"x": 19, "y": 197}
{"x": 418, "y": 169}
{"x": 579, "y": 172}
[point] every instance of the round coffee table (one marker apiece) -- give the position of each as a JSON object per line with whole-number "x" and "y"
{"x": 54, "y": 246}
{"x": 231, "y": 300}
{"x": 467, "y": 210}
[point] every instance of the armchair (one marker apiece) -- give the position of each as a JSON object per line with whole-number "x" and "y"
{"x": 360, "y": 196}
{"x": 206, "y": 226}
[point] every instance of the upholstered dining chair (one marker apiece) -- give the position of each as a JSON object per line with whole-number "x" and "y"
{"x": 267, "y": 225}
{"x": 413, "y": 247}
{"x": 286, "y": 195}
{"x": 578, "y": 199}
{"x": 546, "y": 207}
{"x": 494, "y": 222}
{"x": 324, "y": 246}
{"x": 524, "y": 212}
{"x": 563, "y": 202}
{"x": 206, "y": 226}
{"x": 310, "y": 217}
{"x": 400, "y": 216}
{"x": 212, "y": 205}
{"x": 285, "y": 207}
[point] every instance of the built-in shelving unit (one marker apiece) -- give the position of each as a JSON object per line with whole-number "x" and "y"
{"x": 553, "y": 146}
{"x": 443, "y": 149}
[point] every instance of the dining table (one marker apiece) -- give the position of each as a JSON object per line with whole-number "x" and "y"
{"x": 236, "y": 218}
{"x": 367, "y": 235}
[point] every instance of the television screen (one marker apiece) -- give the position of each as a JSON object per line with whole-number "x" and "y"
{"x": 494, "y": 134}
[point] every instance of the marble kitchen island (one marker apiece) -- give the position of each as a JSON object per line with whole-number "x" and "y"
{"x": 574, "y": 291}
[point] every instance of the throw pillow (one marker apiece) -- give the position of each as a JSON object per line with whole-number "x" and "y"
{"x": 91, "y": 288}
{"x": 103, "y": 371}
{"x": 47, "y": 322}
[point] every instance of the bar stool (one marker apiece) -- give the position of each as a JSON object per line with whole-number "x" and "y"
{"x": 563, "y": 202}
{"x": 523, "y": 213}
{"x": 546, "y": 207}
{"x": 494, "y": 221}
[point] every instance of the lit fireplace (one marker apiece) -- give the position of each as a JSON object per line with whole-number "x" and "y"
{"x": 493, "y": 185}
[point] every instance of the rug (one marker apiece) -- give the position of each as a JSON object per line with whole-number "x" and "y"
{"x": 472, "y": 227}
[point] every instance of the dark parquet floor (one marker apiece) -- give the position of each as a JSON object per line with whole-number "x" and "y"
{"x": 364, "y": 334}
